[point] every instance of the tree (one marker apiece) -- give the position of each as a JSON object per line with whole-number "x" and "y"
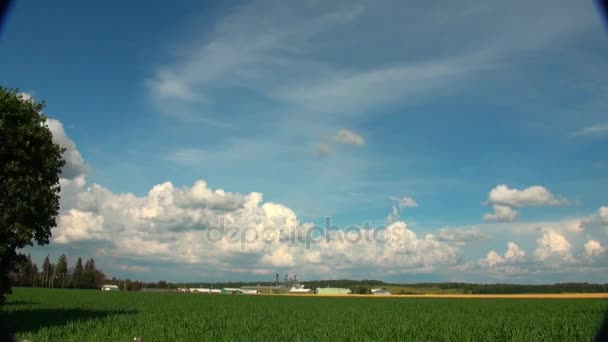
{"x": 30, "y": 165}
{"x": 26, "y": 272}
{"x": 77, "y": 274}
{"x": 89, "y": 275}
{"x": 35, "y": 276}
{"x": 47, "y": 272}
{"x": 61, "y": 270}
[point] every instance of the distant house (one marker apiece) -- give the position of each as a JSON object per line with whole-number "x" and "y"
{"x": 231, "y": 290}
{"x": 300, "y": 290}
{"x": 109, "y": 287}
{"x": 152, "y": 289}
{"x": 381, "y": 292}
{"x": 199, "y": 290}
{"x": 249, "y": 291}
{"x": 332, "y": 291}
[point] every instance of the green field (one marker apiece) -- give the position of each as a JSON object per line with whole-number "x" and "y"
{"x": 89, "y": 315}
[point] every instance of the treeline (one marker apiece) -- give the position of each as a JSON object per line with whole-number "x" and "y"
{"x": 58, "y": 275}
{"x": 365, "y": 286}
{"x": 360, "y": 286}
{"x": 516, "y": 288}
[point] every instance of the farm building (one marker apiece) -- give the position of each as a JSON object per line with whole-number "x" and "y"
{"x": 110, "y": 288}
{"x": 299, "y": 290}
{"x": 152, "y": 289}
{"x": 332, "y": 291}
{"x": 381, "y": 292}
{"x": 249, "y": 291}
{"x": 231, "y": 290}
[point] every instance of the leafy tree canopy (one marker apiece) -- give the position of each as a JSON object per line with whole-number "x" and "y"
{"x": 30, "y": 165}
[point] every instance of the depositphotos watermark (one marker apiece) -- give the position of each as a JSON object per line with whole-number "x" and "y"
{"x": 306, "y": 235}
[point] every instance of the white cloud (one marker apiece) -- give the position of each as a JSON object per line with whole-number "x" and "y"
{"x": 345, "y": 136}
{"x": 174, "y": 224}
{"x": 461, "y": 235}
{"x": 171, "y": 224}
{"x": 134, "y": 268}
{"x": 74, "y": 225}
{"x": 186, "y": 155}
{"x": 167, "y": 85}
{"x": 513, "y": 255}
{"x": 25, "y": 96}
{"x": 528, "y": 197}
{"x": 597, "y": 221}
{"x": 514, "y": 261}
{"x": 323, "y": 150}
{"x": 593, "y": 248}
{"x": 600, "y": 129}
{"x": 398, "y": 207}
{"x": 553, "y": 249}
{"x": 240, "y": 52}
{"x": 493, "y": 258}
{"x": 74, "y": 164}
{"x": 501, "y": 213}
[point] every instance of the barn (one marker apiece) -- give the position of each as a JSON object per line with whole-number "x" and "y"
{"x": 332, "y": 291}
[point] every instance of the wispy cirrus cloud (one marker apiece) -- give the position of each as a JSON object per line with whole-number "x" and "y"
{"x": 596, "y": 130}
{"x": 186, "y": 155}
{"x": 349, "y": 137}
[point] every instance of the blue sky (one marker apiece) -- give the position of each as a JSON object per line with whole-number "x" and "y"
{"x": 342, "y": 110}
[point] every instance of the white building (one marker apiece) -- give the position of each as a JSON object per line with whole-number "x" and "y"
{"x": 249, "y": 291}
{"x": 109, "y": 287}
{"x": 381, "y": 292}
{"x": 299, "y": 289}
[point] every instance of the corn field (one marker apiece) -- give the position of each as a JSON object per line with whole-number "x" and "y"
{"x": 88, "y": 315}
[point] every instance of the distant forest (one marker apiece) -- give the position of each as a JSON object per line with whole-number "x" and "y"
{"x": 364, "y": 286}
{"x": 87, "y": 276}
{"x": 57, "y": 275}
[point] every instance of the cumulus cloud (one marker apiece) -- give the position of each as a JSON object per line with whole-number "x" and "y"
{"x": 513, "y": 255}
{"x": 534, "y": 196}
{"x": 501, "y": 213}
{"x": 513, "y": 261}
{"x": 76, "y": 225}
{"x": 461, "y": 235}
{"x": 504, "y": 199}
{"x": 74, "y": 165}
{"x": 593, "y": 248}
{"x": 177, "y": 224}
{"x": 553, "y": 249}
{"x": 25, "y": 96}
{"x": 597, "y": 221}
{"x": 346, "y": 136}
{"x": 398, "y": 207}
{"x": 181, "y": 225}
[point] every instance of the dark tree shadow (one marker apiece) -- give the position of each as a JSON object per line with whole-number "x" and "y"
{"x": 602, "y": 334}
{"x": 19, "y": 302}
{"x": 32, "y": 320}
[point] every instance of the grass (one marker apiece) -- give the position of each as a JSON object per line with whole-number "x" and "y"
{"x": 88, "y": 315}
